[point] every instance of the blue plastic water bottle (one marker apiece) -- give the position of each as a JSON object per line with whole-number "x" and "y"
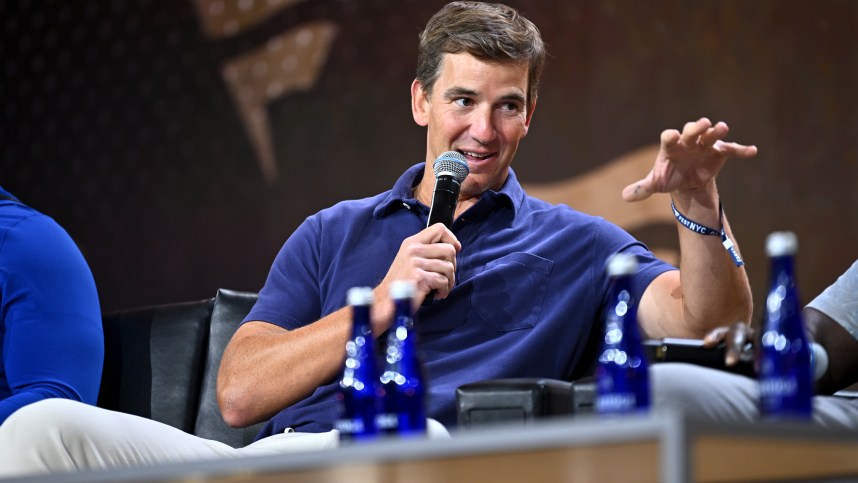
{"x": 622, "y": 380}
{"x": 358, "y": 391}
{"x": 403, "y": 404}
{"x": 786, "y": 377}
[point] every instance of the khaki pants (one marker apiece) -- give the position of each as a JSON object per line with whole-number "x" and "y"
{"x": 720, "y": 396}
{"x": 58, "y": 435}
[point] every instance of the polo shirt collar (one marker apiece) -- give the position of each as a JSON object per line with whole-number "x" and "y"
{"x": 402, "y": 194}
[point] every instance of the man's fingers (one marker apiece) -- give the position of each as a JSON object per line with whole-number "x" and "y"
{"x": 738, "y": 337}
{"x": 731, "y": 357}
{"x": 669, "y": 138}
{"x": 429, "y": 259}
{"x": 437, "y": 275}
{"x": 692, "y": 130}
{"x": 637, "y": 191}
{"x": 438, "y": 233}
{"x": 736, "y": 150}
{"x": 715, "y": 337}
{"x": 713, "y": 134}
{"x": 444, "y": 252}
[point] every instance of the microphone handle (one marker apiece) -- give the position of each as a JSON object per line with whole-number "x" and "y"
{"x": 444, "y": 200}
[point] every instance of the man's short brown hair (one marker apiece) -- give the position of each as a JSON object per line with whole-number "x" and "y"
{"x": 488, "y": 31}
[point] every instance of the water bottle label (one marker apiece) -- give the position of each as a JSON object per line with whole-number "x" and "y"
{"x": 616, "y": 403}
{"x": 778, "y": 387}
{"x": 350, "y": 426}
{"x": 387, "y": 421}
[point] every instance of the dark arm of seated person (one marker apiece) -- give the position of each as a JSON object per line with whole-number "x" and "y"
{"x": 842, "y": 350}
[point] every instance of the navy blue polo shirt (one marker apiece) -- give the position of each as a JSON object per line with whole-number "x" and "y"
{"x": 530, "y": 288}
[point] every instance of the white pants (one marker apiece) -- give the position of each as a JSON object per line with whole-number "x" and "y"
{"x": 721, "y": 396}
{"x": 57, "y": 435}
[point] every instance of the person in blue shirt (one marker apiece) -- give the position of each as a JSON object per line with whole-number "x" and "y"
{"x": 519, "y": 284}
{"x": 52, "y": 345}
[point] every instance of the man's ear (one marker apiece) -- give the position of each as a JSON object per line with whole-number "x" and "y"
{"x": 528, "y": 118}
{"x": 419, "y": 104}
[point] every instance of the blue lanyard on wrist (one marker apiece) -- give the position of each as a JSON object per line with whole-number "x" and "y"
{"x": 705, "y": 230}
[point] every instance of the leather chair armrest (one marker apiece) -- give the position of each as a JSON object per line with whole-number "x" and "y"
{"x": 229, "y": 309}
{"x": 521, "y": 400}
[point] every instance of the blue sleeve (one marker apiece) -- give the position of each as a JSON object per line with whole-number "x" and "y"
{"x": 50, "y": 320}
{"x": 613, "y": 239}
{"x": 291, "y": 296}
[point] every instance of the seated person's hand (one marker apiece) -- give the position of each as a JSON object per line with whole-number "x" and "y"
{"x": 738, "y": 340}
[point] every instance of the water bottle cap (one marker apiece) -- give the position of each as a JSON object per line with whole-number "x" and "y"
{"x": 622, "y": 264}
{"x": 402, "y": 289}
{"x": 359, "y": 296}
{"x": 781, "y": 243}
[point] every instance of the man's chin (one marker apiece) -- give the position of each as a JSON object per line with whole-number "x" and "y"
{"x": 474, "y": 189}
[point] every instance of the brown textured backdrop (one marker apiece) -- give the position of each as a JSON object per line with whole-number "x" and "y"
{"x": 119, "y": 120}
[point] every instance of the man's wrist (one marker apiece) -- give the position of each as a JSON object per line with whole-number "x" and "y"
{"x": 700, "y": 205}
{"x": 702, "y": 229}
{"x": 381, "y": 315}
{"x": 698, "y": 201}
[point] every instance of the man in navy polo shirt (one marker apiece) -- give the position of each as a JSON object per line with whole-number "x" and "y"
{"x": 519, "y": 284}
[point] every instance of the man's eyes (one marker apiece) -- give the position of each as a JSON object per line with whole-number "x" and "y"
{"x": 506, "y": 107}
{"x": 511, "y": 108}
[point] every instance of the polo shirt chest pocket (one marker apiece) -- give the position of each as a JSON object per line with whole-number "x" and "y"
{"x": 509, "y": 293}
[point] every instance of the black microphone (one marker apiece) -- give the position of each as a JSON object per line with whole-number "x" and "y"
{"x": 450, "y": 170}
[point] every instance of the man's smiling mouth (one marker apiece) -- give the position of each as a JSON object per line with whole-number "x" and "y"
{"x": 476, "y": 156}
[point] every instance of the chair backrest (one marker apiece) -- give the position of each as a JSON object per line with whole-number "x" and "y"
{"x": 153, "y": 361}
{"x": 229, "y": 309}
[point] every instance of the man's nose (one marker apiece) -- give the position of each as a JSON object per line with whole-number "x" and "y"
{"x": 483, "y": 126}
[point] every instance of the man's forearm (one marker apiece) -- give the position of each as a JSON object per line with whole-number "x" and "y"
{"x": 715, "y": 291}
{"x": 266, "y": 368}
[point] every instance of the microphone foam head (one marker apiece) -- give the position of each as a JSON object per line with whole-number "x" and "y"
{"x": 452, "y": 164}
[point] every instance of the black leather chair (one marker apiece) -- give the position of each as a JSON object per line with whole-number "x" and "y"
{"x": 229, "y": 309}
{"x": 161, "y": 363}
{"x": 153, "y": 361}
